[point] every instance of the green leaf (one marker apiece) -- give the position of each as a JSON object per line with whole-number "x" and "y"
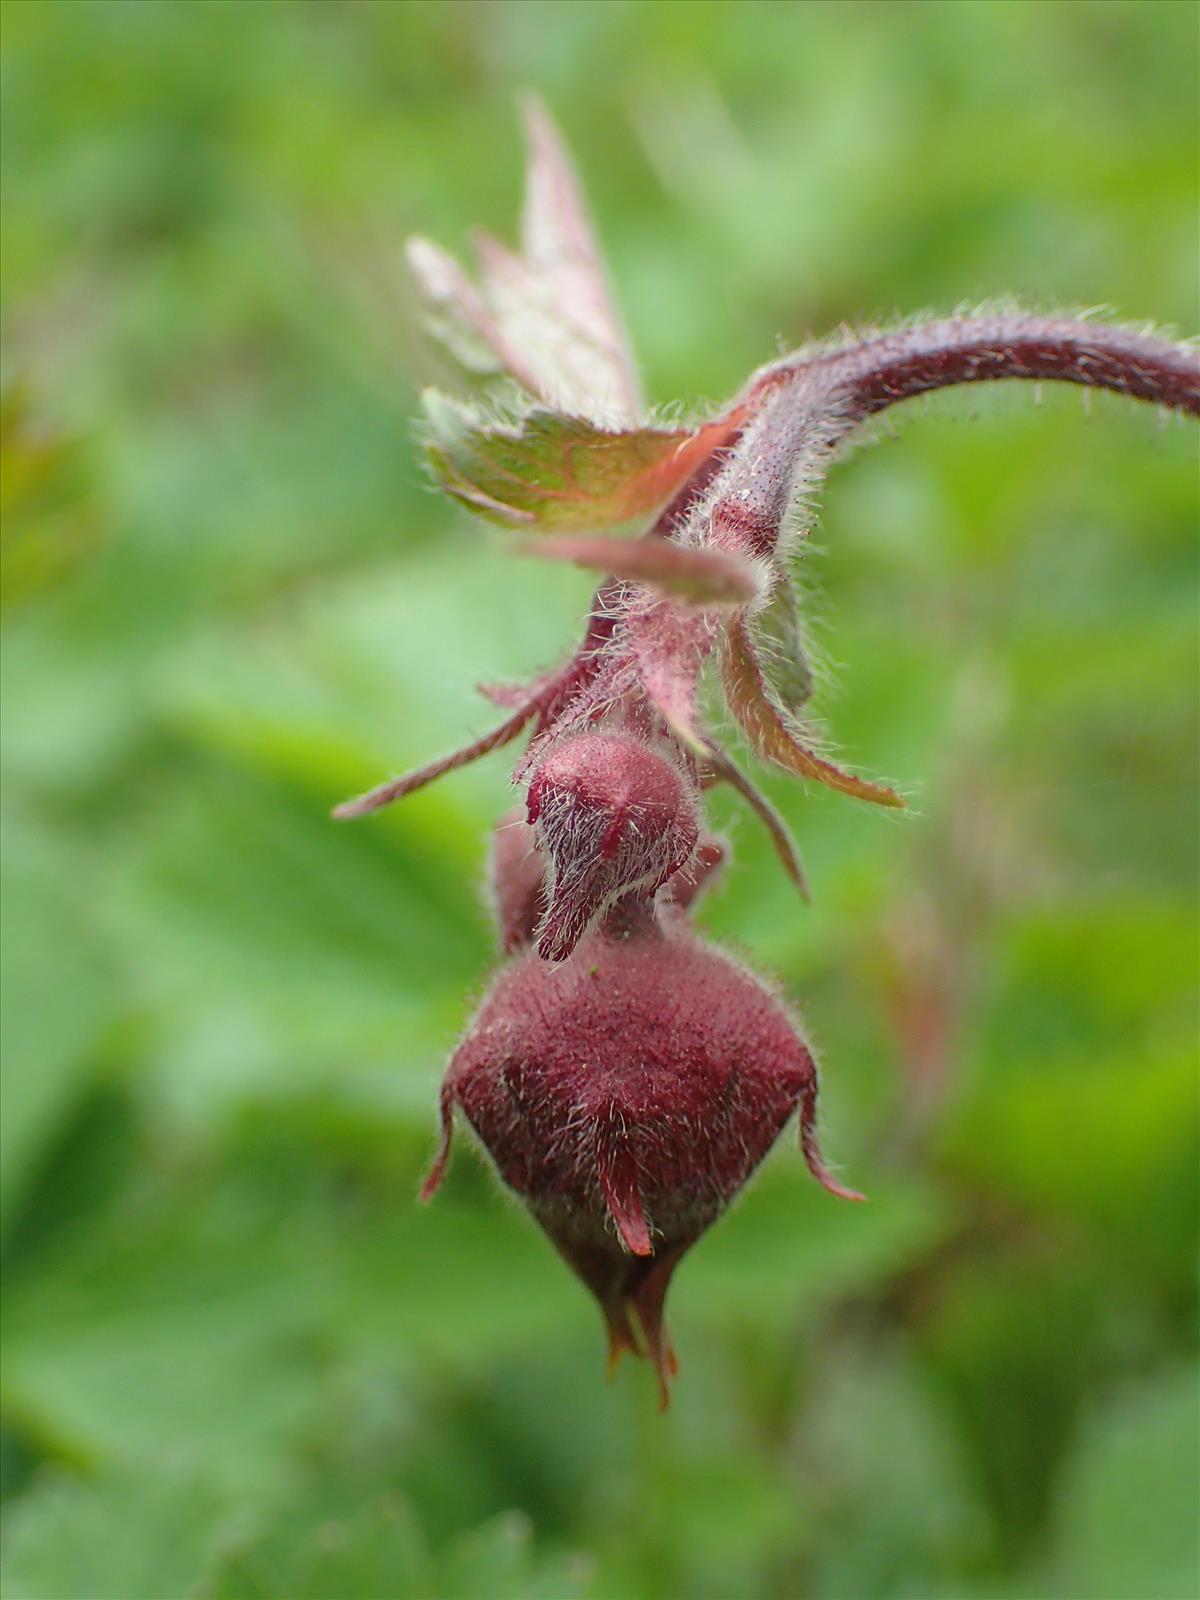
{"x": 269, "y": 942}
{"x": 180, "y": 1328}
{"x": 130, "y": 1536}
{"x": 204, "y": 1316}
{"x": 1127, "y": 1524}
{"x": 549, "y": 472}
{"x": 1129, "y": 1157}
{"x": 374, "y": 1551}
{"x": 1012, "y": 1349}
{"x": 900, "y": 1504}
{"x": 499, "y": 1560}
{"x": 56, "y": 997}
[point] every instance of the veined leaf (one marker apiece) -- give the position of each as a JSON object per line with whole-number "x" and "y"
{"x": 770, "y": 729}
{"x": 549, "y": 472}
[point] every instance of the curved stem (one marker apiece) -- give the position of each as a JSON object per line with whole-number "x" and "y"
{"x": 805, "y": 406}
{"x": 868, "y": 377}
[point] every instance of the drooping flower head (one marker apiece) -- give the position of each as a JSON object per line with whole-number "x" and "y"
{"x": 625, "y": 1078}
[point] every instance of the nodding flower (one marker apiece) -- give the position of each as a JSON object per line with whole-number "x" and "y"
{"x": 625, "y": 1078}
{"x": 627, "y": 1094}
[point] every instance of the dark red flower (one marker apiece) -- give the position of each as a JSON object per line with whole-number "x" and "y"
{"x": 626, "y": 1096}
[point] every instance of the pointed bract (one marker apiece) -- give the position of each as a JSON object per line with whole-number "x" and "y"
{"x": 458, "y": 318}
{"x": 396, "y": 788}
{"x": 770, "y": 731}
{"x": 667, "y": 648}
{"x": 617, "y": 1173}
{"x": 558, "y": 243}
{"x": 696, "y": 577}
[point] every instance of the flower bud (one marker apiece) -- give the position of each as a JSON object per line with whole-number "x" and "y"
{"x": 615, "y": 816}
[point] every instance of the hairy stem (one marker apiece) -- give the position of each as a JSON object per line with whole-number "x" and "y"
{"x": 396, "y": 788}
{"x": 867, "y": 378}
{"x": 802, "y": 408}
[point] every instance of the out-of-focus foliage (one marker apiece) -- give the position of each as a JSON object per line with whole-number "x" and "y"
{"x": 238, "y": 1360}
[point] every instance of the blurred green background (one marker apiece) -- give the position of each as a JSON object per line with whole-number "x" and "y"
{"x": 239, "y": 1361}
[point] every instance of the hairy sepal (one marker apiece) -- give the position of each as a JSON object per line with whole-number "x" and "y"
{"x": 695, "y": 577}
{"x": 772, "y": 731}
{"x": 668, "y": 646}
